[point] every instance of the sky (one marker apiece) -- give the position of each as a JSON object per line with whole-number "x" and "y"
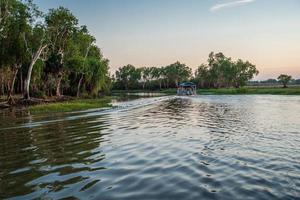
{"x": 161, "y": 32}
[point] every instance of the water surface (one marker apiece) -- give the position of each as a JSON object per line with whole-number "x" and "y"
{"x": 203, "y": 147}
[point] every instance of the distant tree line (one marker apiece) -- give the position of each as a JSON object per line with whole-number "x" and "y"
{"x": 46, "y": 54}
{"x": 282, "y": 79}
{"x": 220, "y": 71}
{"x": 130, "y": 77}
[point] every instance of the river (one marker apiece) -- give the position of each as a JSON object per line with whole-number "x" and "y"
{"x": 201, "y": 147}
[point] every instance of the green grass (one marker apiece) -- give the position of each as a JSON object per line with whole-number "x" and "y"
{"x": 73, "y": 105}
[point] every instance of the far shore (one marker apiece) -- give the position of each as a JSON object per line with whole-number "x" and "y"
{"x": 295, "y": 90}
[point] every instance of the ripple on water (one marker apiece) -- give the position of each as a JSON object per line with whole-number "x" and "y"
{"x": 209, "y": 147}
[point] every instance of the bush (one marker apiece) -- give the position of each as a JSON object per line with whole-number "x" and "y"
{"x": 39, "y": 94}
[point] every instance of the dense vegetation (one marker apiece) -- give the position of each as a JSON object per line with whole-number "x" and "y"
{"x": 219, "y": 72}
{"x": 130, "y": 77}
{"x": 46, "y": 54}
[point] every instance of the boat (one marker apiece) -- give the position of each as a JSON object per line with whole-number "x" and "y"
{"x": 186, "y": 89}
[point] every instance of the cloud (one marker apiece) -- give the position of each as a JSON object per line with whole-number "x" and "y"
{"x": 230, "y": 4}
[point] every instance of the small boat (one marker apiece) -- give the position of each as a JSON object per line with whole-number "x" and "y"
{"x": 186, "y": 89}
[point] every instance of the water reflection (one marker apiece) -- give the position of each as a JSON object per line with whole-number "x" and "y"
{"x": 212, "y": 147}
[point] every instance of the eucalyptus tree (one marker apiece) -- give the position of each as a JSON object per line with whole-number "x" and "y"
{"x": 61, "y": 24}
{"x": 78, "y": 53}
{"x": 128, "y": 76}
{"x": 243, "y": 72}
{"x": 146, "y": 75}
{"x": 202, "y": 75}
{"x": 220, "y": 67}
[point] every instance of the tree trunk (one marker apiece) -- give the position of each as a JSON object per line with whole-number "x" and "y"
{"x": 10, "y": 93}
{"x": 33, "y": 61}
{"x": 159, "y": 84}
{"x": 58, "y": 85}
{"x": 21, "y": 83}
{"x": 79, "y": 85}
{"x": 284, "y": 85}
{"x": 144, "y": 83}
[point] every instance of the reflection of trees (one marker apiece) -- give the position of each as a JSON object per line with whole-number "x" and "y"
{"x": 178, "y": 107}
{"x": 66, "y": 147}
{"x": 16, "y": 153}
{"x": 68, "y": 142}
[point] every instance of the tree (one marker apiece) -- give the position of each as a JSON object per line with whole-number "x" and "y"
{"x": 78, "y": 53}
{"x": 221, "y": 71}
{"x": 146, "y": 75}
{"x": 177, "y": 72}
{"x": 284, "y": 79}
{"x": 202, "y": 75}
{"x": 128, "y": 76}
{"x": 61, "y": 24}
{"x": 98, "y": 78}
{"x": 243, "y": 72}
{"x": 36, "y": 42}
{"x": 157, "y": 74}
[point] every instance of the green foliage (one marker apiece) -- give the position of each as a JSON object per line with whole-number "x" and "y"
{"x": 223, "y": 72}
{"x": 57, "y": 54}
{"x": 177, "y": 72}
{"x": 129, "y": 77}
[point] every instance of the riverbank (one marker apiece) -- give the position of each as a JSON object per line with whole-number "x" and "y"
{"x": 61, "y": 104}
{"x": 71, "y": 105}
{"x": 226, "y": 91}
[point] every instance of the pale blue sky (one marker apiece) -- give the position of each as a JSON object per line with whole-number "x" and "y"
{"x": 159, "y": 32}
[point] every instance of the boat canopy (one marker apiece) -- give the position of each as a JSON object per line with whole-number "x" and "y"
{"x": 187, "y": 84}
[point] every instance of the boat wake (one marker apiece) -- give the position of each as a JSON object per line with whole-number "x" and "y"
{"x": 35, "y": 121}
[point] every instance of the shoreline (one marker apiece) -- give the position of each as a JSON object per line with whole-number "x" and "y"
{"x": 68, "y": 103}
{"x": 57, "y": 104}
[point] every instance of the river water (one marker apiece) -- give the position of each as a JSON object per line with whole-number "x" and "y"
{"x": 202, "y": 147}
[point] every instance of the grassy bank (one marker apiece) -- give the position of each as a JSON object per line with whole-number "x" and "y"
{"x": 232, "y": 91}
{"x": 72, "y": 105}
